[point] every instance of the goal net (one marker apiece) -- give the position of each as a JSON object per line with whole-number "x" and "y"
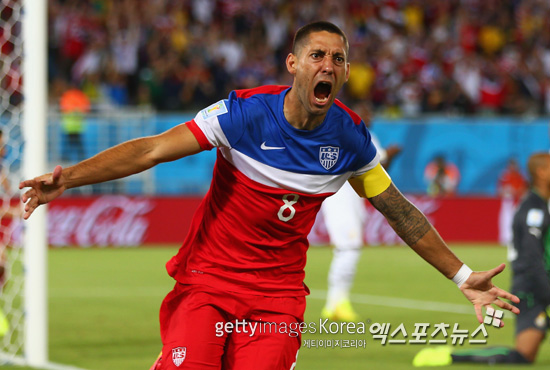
{"x": 11, "y": 252}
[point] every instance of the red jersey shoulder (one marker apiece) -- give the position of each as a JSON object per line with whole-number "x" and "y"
{"x": 354, "y": 116}
{"x": 267, "y": 89}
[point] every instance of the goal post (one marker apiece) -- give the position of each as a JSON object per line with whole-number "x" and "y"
{"x": 24, "y": 154}
{"x": 23, "y": 245}
{"x": 34, "y": 34}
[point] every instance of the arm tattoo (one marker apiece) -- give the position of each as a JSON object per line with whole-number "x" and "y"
{"x": 407, "y": 221}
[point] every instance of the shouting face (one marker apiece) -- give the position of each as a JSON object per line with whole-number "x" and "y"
{"x": 320, "y": 69}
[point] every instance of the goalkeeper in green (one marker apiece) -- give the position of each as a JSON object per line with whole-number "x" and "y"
{"x": 530, "y": 257}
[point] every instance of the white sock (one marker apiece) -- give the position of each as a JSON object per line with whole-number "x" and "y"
{"x": 341, "y": 275}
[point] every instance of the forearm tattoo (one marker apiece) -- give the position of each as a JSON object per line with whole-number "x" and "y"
{"x": 407, "y": 221}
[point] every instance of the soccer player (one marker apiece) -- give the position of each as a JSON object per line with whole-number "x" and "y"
{"x": 281, "y": 152}
{"x": 344, "y": 216}
{"x": 530, "y": 257}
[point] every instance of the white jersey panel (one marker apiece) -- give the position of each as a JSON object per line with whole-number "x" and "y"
{"x": 207, "y": 120}
{"x": 277, "y": 178}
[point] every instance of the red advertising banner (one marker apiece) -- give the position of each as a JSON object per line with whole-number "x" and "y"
{"x": 118, "y": 220}
{"x": 456, "y": 219}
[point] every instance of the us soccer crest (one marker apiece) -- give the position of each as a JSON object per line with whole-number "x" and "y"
{"x": 178, "y": 355}
{"x": 328, "y": 156}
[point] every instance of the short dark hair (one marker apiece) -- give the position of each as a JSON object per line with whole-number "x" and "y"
{"x": 304, "y": 31}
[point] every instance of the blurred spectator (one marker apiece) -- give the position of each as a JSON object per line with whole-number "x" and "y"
{"x": 511, "y": 182}
{"x": 512, "y": 185}
{"x": 361, "y": 75}
{"x": 124, "y": 36}
{"x": 91, "y": 62}
{"x": 198, "y": 87}
{"x": 442, "y": 177}
{"x": 467, "y": 73}
{"x": 74, "y": 105}
{"x": 115, "y": 88}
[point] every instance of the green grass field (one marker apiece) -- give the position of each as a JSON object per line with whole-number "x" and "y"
{"x": 103, "y": 306}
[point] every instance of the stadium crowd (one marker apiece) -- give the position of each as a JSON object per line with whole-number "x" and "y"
{"x": 408, "y": 56}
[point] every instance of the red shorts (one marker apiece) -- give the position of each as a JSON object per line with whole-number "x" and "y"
{"x": 204, "y": 328}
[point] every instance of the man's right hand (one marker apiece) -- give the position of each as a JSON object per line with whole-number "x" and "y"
{"x": 43, "y": 189}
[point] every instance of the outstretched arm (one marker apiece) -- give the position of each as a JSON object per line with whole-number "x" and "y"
{"x": 415, "y": 229}
{"x": 122, "y": 160}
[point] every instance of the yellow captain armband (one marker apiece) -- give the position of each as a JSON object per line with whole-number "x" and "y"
{"x": 372, "y": 182}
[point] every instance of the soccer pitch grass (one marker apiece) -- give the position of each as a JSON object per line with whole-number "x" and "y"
{"x": 103, "y": 307}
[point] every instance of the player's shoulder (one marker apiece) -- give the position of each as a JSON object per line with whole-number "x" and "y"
{"x": 344, "y": 122}
{"x": 256, "y": 103}
{"x": 533, "y": 210}
{"x": 346, "y": 112}
{"x": 532, "y": 200}
{"x": 259, "y": 91}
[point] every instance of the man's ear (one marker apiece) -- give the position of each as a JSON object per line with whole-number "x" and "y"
{"x": 291, "y": 63}
{"x": 347, "y": 71}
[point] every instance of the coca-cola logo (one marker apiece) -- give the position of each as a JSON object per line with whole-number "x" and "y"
{"x": 109, "y": 220}
{"x": 376, "y": 229}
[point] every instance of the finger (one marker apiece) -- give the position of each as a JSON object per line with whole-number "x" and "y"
{"x": 506, "y": 295}
{"x": 26, "y": 215}
{"x": 506, "y": 306}
{"x": 28, "y": 212}
{"x": 479, "y": 314}
{"x": 33, "y": 201}
{"x": 28, "y": 195}
{"x": 32, "y": 204}
{"x": 497, "y": 270}
{"x": 26, "y": 184}
{"x": 56, "y": 175}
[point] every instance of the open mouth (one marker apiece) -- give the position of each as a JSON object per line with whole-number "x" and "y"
{"x": 322, "y": 91}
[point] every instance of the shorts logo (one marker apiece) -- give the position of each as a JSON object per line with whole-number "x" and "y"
{"x": 178, "y": 355}
{"x": 328, "y": 156}
{"x": 535, "y": 217}
{"x": 540, "y": 321}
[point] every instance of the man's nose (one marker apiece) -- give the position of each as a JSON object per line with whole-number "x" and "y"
{"x": 328, "y": 65}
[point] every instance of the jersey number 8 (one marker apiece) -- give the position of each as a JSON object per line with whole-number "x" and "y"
{"x": 288, "y": 205}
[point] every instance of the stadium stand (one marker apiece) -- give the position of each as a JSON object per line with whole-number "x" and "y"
{"x": 409, "y": 57}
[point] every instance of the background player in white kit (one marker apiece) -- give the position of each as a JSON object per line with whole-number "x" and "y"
{"x": 344, "y": 215}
